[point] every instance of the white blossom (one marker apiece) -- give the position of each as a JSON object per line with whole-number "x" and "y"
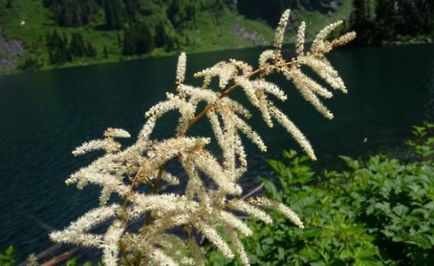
{"x": 280, "y": 31}
{"x": 111, "y": 244}
{"x": 325, "y": 71}
{"x": 239, "y": 248}
{"x": 212, "y": 195}
{"x": 245, "y": 207}
{"x": 116, "y": 133}
{"x": 280, "y": 207}
{"x": 215, "y": 239}
{"x": 305, "y": 90}
{"x": 299, "y": 43}
{"x": 265, "y": 57}
{"x": 235, "y": 222}
{"x": 77, "y": 232}
{"x": 318, "y": 42}
{"x": 294, "y": 131}
{"x": 109, "y": 145}
{"x": 180, "y": 69}
{"x": 160, "y": 258}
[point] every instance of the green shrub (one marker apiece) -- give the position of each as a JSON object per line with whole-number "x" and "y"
{"x": 377, "y": 211}
{"x": 74, "y": 262}
{"x": 8, "y": 257}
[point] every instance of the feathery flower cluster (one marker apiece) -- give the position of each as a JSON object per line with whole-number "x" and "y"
{"x": 299, "y": 44}
{"x": 280, "y": 33}
{"x": 180, "y": 70}
{"x": 211, "y": 200}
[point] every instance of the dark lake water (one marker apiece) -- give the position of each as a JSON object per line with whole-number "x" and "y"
{"x": 44, "y": 115}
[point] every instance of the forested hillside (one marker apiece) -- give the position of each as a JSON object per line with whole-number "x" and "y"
{"x": 70, "y": 32}
{"x": 50, "y": 33}
{"x": 383, "y": 21}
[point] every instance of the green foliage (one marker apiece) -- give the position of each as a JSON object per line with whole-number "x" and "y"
{"x": 269, "y": 10}
{"x": 62, "y": 49}
{"x": 174, "y": 25}
{"x": 379, "y": 21}
{"x": 377, "y": 211}
{"x": 57, "y": 46}
{"x": 74, "y": 262}
{"x": 79, "y": 47}
{"x": 114, "y": 15}
{"x": 424, "y": 140}
{"x": 8, "y": 257}
{"x": 30, "y": 63}
{"x": 396, "y": 201}
{"x": 72, "y": 12}
{"x": 137, "y": 39}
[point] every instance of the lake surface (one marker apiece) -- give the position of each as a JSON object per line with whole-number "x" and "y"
{"x": 44, "y": 115}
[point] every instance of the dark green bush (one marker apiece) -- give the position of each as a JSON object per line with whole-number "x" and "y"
{"x": 378, "y": 211}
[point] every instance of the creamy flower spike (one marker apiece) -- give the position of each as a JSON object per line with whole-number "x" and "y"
{"x": 180, "y": 69}
{"x": 280, "y": 32}
{"x": 299, "y": 43}
{"x": 209, "y": 196}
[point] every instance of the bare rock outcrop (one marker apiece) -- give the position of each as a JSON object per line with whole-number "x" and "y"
{"x": 10, "y": 51}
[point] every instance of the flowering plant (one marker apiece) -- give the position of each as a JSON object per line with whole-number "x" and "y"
{"x": 207, "y": 209}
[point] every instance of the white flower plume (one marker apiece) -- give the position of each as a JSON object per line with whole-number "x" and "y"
{"x": 208, "y": 199}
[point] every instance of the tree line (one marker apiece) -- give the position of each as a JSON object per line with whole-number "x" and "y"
{"x": 62, "y": 49}
{"x": 270, "y": 10}
{"x": 378, "y": 21}
{"x": 144, "y": 24}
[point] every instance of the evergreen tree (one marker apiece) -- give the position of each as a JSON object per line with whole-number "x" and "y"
{"x": 393, "y": 19}
{"x": 360, "y": 20}
{"x": 62, "y": 49}
{"x": 137, "y": 39}
{"x": 57, "y": 48}
{"x": 77, "y": 45}
{"x": 72, "y": 12}
{"x": 105, "y": 52}
{"x": 90, "y": 50}
{"x": 30, "y": 63}
{"x": 113, "y": 14}
{"x": 132, "y": 7}
{"x": 8, "y": 4}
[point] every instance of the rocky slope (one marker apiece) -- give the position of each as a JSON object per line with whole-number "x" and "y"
{"x": 10, "y": 50}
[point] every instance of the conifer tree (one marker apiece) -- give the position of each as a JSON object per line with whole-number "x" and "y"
{"x": 137, "y": 39}
{"x": 113, "y": 14}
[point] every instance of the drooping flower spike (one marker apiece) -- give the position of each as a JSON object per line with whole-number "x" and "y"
{"x": 212, "y": 196}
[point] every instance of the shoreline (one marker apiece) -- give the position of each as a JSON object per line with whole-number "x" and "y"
{"x": 125, "y": 59}
{"x": 162, "y": 54}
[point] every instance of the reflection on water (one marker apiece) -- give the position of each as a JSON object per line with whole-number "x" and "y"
{"x": 44, "y": 115}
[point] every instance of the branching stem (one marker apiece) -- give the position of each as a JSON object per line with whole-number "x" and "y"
{"x": 156, "y": 184}
{"x": 230, "y": 89}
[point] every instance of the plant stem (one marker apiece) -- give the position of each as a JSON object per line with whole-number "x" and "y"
{"x": 156, "y": 184}
{"x": 230, "y": 89}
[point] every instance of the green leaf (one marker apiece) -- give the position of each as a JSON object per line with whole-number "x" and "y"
{"x": 354, "y": 164}
{"x": 72, "y": 262}
{"x": 8, "y": 257}
{"x": 310, "y": 253}
{"x": 421, "y": 241}
{"x": 400, "y": 210}
{"x": 271, "y": 189}
{"x": 267, "y": 241}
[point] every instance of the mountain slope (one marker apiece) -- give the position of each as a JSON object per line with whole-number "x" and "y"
{"x": 59, "y": 33}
